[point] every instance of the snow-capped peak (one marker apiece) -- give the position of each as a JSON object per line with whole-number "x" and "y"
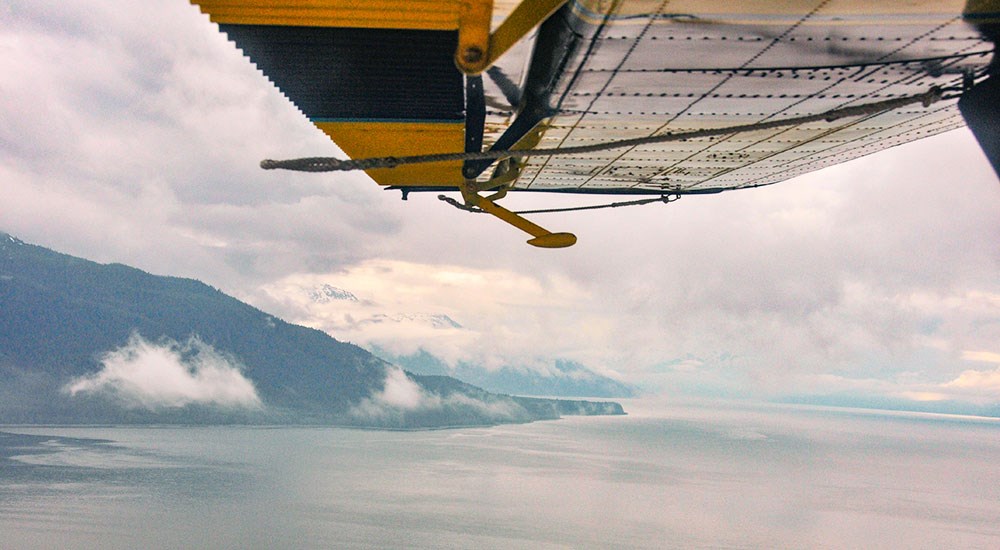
{"x": 327, "y": 293}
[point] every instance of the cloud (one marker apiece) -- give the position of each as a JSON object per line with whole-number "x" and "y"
{"x": 923, "y": 396}
{"x": 984, "y": 356}
{"x": 455, "y": 312}
{"x": 129, "y": 136}
{"x": 153, "y": 376}
{"x": 978, "y": 380}
{"x": 401, "y": 395}
{"x": 976, "y": 387}
{"x": 398, "y": 396}
{"x": 980, "y": 387}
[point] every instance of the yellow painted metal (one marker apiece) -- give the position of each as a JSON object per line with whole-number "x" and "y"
{"x": 554, "y": 240}
{"x": 474, "y": 35}
{"x": 374, "y": 14}
{"x": 542, "y": 238}
{"x": 364, "y": 139}
{"x": 447, "y": 14}
{"x": 509, "y": 171}
{"x": 477, "y": 47}
{"x": 526, "y": 16}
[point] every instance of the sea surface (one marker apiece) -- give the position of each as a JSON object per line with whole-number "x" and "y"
{"x": 695, "y": 475}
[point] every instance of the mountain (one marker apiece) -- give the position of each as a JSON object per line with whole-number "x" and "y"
{"x": 432, "y": 320}
{"x": 562, "y": 378}
{"x": 82, "y": 342}
{"x": 324, "y": 294}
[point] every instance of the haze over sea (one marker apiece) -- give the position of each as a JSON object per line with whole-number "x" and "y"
{"x": 697, "y": 474}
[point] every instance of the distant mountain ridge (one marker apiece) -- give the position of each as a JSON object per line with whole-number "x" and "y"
{"x": 60, "y": 316}
{"x": 434, "y": 320}
{"x": 337, "y": 310}
{"x": 563, "y": 379}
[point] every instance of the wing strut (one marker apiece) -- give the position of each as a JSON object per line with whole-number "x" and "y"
{"x": 980, "y": 107}
{"x": 555, "y": 43}
{"x": 980, "y": 101}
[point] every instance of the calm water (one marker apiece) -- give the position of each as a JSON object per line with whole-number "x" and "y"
{"x": 689, "y": 476}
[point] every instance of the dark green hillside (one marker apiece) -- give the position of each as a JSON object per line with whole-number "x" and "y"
{"x": 60, "y": 315}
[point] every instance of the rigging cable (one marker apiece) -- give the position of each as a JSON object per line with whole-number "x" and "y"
{"x": 665, "y": 199}
{"x": 330, "y": 164}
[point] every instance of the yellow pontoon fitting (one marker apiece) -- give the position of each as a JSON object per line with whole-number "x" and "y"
{"x": 554, "y": 240}
{"x": 543, "y": 238}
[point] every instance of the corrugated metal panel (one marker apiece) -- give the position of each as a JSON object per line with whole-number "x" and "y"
{"x": 342, "y": 73}
{"x": 655, "y": 67}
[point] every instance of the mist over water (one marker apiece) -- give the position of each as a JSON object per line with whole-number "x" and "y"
{"x": 693, "y": 475}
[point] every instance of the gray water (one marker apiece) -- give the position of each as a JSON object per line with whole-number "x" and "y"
{"x": 699, "y": 475}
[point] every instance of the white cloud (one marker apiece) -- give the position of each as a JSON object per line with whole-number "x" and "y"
{"x": 923, "y": 396}
{"x": 399, "y": 304}
{"x": 400, "y": 395}
{"x": 978, "y": 387}
{"x": 146, "y": 375}
{"x": 978, "y": 380}
{"x": 984, "y": 356}
{"x": 981, "y": 387}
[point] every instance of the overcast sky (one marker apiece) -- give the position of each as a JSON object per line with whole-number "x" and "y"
{"x": 132, "y": 133}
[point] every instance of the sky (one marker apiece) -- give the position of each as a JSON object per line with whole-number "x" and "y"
{"x": 132, "y": 133}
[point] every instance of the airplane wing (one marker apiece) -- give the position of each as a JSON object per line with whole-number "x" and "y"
{"x": 396, "y": 78}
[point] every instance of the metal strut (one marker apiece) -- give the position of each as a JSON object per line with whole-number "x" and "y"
{"x": 478, "y": 49}
{"x": 542, "y": 238}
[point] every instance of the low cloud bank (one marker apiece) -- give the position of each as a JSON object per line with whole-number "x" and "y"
{"x": 978, "y": 386}
{"x": 988, "y": 381}
{"x": 401, "y": 395}
{"x": 169, "y": 374}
